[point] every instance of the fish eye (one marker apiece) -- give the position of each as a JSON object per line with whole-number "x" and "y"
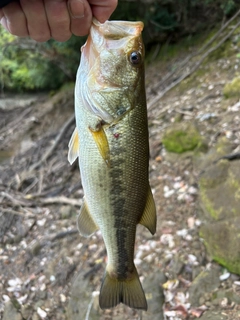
{"x": 135, "y": 57}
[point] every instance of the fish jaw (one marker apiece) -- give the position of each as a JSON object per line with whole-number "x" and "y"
{"x": 107, "y": 79}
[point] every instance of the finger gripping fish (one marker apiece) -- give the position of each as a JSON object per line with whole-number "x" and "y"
{"x": 111, "y": 142}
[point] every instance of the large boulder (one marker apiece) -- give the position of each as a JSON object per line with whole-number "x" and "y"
{"x": 219, "y": 186}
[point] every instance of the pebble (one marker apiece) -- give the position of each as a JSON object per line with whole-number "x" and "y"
{"x": 224, "y": 276}
{"x": 52, "y": 278}
{"x": 63, "y": 298}
{"x": 41, "y": 313}
{"x": 34, "y": 247}
{"x": 41, "y": 222}
{"x": 191, "y": 222}
{"x": 43, "y": 287}
{"x": 182, "y": 233}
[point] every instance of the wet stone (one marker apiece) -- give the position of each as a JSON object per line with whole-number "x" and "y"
{"x": 34, "y": 247}
{"x": 152, "y": 286}
{"x": 10, "y": 312}
{"x": 26, "y": 311}
{"x": 81, "y": 297}
{"x": 204, "y": 283}
{"x": 229, "y": 294}
{"x": 65, "y": 212}
{"x": 35, "y": 316}
{"x": 214, "y": 315}
{"x": 176, "y": 267}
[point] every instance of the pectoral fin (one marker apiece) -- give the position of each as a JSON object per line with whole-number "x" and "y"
{"x": 73, "y": 147}
{"x": 101, "y": 141}
{"x": 149, "y": 219}
{"x": 85, "y": 222}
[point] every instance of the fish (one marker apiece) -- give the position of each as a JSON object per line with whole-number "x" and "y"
{"x": 112, "y": 145}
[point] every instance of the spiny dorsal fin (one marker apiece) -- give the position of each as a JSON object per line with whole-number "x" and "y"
{"x": 85, "y": 222}
{"x": 149, "y": 218}
{"x": 101, "y": 141}
{"x": 130, "y": 292}
{"x": 73, "y": 147}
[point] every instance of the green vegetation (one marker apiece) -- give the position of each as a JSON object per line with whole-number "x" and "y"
{"x": 232, "y": 89}
{"x": 27, "y": 65}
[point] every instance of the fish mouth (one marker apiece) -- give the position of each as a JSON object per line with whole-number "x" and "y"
{"x": 120, "y": 29}
{"x": 111, "y": 35}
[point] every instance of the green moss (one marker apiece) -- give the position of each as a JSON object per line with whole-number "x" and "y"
{"x": 232, "y": 181}
{"x": 232, "y": 89}
{"x": 224, "y": 51}
{"x": 181, "y": 137}
{"x": 232, "y": 266}
{"x": 208, "y": 205}
{"x": 222, "y": 242}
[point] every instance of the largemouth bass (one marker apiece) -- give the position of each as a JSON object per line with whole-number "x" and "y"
{"x": 111, "y": 142}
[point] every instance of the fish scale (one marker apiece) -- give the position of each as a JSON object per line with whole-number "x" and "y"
{"x": 111, "y": 142}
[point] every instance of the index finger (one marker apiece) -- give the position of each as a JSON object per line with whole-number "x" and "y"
{"x": 102, "y": 9}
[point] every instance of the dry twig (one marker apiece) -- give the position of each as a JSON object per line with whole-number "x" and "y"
{"x": 49, "y": 151}
{"x": 62, "y": 200}
{"x": 18, "y": 213}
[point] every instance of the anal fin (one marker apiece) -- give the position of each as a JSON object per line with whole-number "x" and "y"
{"x": 73, "y": 147}
{"x": 101, "y": 141}
{"x": 149, "y": 218}
{"x": 85, "y": 222}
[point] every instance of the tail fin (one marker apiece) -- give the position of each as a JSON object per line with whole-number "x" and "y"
{"x": 129, "y": 292}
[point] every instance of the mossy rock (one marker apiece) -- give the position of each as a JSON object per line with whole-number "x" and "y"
{"x": 181, "y": 137}
{"x": 220, "y": 191}
{"x": 232, "y": 89}
{"x": 219, "y": 194}
{"x": 222, "y": 240}
{"x": 203, "y": 160}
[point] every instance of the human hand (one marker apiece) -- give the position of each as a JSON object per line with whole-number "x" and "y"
{"x": 57, "y": 19}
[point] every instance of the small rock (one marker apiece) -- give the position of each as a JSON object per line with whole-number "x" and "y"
{"x": 204, "y": 283}
{"x": 80, "y": 298}
{"x": 66, "y": 212}
{"x": 152, "y": 286}
{"x": 42, "y": 313}
{"x": 224, "y": 276}
{"x": 175, "y": 267}
{"x": 52, "y": 278}
{"x": 63, "y": 298}
{"x": 35, "y": 316}
{"x": 34, "y": 247}
{"x": 214, "y": 315}
{"x": 26, "y": 311}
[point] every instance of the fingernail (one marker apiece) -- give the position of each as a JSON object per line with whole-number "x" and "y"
{"x": 76, "y": 8}
{"x": 3, "y": 22}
